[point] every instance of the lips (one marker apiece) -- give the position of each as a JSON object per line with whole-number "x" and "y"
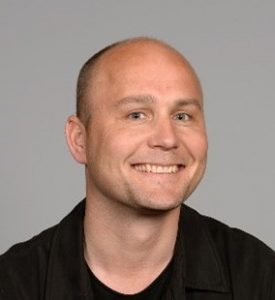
{"x": 158, "y": 169}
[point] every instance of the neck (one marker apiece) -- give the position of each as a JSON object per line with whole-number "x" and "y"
{"x": 127, "y": 249}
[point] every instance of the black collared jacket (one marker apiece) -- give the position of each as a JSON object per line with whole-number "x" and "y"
{"x": 211, "y": 262}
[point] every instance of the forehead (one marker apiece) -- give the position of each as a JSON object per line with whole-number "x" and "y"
{"x": 144, "y": 68}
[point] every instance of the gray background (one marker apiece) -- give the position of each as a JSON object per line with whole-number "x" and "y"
{"x": 43, "y": 45}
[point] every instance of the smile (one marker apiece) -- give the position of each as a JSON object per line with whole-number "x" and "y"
{"x": 157, "y": 169}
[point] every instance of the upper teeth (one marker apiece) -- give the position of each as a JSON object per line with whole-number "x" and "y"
{"x": 156, "y": 168}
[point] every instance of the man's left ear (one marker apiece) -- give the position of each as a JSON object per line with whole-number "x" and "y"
{"x": 76, "y": 139}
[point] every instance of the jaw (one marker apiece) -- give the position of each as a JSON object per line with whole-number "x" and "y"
{"x": 167, "y": 183}
{"x": 157, "y": 187}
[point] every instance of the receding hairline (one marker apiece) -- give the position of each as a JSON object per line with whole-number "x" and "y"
{"x": 91, "y": 67}
{"x": 107, "y": 52}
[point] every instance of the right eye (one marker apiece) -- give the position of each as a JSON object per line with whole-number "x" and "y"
{"x": 137, "y": 115}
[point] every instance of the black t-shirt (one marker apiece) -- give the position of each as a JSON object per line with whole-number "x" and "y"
{"x": 153, "y": 291}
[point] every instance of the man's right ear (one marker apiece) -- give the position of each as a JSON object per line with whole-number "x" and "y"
{"x": 76, "y": 139}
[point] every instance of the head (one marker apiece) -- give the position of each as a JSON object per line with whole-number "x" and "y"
{"x": 139, "y": 129}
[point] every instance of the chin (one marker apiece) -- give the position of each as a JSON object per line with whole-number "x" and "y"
{"x": 158, "y": 206}
{"x": 157, "y": 201}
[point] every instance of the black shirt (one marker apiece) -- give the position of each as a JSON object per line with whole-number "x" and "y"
{"x": 211, "y": 262}
{"x": 153, "y": 291}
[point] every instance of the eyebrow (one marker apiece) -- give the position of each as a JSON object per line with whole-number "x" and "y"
{"x": 149, "y": 99}
{"x": 189, "y": 102}
{"x": 142, "y": 99}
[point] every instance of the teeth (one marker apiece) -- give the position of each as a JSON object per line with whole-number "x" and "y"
{"x": 157, "y": 169}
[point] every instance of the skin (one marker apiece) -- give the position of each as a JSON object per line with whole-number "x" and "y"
{"x": 145, "y": 151}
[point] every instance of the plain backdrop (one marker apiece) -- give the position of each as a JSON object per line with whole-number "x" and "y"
{"x": 231, "y": 44}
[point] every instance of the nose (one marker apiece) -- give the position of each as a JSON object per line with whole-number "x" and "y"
{"x": 163, "y": 135}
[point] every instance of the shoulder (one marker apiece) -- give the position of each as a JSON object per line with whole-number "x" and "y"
{"x": 25, "y": 265}
{"x": 25, "y": 268}
{"x": 27, "y": 248}
{"x": 227, "y": 238}
{"x": 239, "y": 244}
{"x": 248, "y": 262}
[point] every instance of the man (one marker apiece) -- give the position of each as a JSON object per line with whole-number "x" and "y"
{"x": 140, "y": 132}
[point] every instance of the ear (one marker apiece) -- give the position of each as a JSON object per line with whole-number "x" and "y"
{"x": 76, "y": 139}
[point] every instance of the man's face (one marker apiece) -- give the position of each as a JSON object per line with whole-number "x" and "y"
{"x": 146, "y": 142}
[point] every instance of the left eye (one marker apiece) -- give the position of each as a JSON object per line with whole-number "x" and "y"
{"x": 136, "y": 115}
{"x": 182, "y": 117}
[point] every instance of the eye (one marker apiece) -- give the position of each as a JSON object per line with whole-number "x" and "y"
{"x": 136, "y": 115}
{"x": 182, "y": 116}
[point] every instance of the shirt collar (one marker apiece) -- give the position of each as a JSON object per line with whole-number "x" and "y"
{"x": 68, "y": 276}
{"x": 196, "y": 263}
{"x": 199, "y": 258}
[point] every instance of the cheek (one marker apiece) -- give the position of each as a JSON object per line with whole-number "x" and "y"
{"x": 197, "y": 145}
{"x": 110, "y": 145}
{"x": 121, "y": 146}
